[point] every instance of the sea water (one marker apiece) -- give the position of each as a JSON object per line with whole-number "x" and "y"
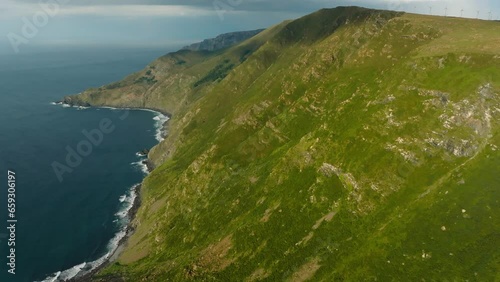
{"x": 70, "y": 225}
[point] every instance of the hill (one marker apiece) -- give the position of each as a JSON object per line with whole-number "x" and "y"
{"x": 351, "y": 144}
{"x": 222, "y": 41}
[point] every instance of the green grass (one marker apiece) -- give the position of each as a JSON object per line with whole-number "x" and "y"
{"x": 349, "y": 114}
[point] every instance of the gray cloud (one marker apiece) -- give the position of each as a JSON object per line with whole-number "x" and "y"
{"x": 298, "y": 6}
{"x": 162, "y": 22}
{"x": 242, "y": 5}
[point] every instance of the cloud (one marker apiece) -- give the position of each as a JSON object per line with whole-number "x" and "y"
{"x": 151, "y": 8}
{"x": 136, "y": 11}
{"x": 138, "y": 8}
{"x": 26, "y": 9}
{"x": 151, "y": 22}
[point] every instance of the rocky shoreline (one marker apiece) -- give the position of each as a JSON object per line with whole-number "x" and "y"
{"x": 132, "y": 212}
{"x": 87, "y": 277}
{"x": 149, "y": 164}
{"x": 75, "y": 103}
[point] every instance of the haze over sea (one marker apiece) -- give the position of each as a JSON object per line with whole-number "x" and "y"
{"x": 63, "y": 224}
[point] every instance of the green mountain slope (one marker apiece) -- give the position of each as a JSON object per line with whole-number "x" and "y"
{"x": 350, "y": 144}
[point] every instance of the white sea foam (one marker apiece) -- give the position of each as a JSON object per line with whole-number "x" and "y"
{"x": 160, "y": 120}
{"x": 140, "y": 165}
{"x": 131, "y": 198}
{"x": 128, "y": 203}
{"x": 96, "y": 263}
{"x": 72, "y": 272}
{"x": 53, "y": 277}
{"x": 113, "y": 244}
{"x": 121, "y": 214}
{"x": 111, "y": 108}
{"x": 86, "y": 267}
{"x": 64, "y": 105}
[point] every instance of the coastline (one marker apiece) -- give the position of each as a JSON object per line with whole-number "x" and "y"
{"x": 129, "y": 229}
{"x": 87, "y": 277}
{"x": 87, "y": 105}
{"x": 163, "y": 118}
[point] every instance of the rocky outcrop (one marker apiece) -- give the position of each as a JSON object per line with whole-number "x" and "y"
{"x": 74, "y": 101}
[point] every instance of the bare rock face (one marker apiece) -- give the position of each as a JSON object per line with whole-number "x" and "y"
{"x": 222, "y": 41}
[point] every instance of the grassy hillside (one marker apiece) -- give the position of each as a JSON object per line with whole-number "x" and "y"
{"x": 351, "y": 144}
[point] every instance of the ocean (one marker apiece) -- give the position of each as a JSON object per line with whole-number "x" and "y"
{"x": 70, "y": 211}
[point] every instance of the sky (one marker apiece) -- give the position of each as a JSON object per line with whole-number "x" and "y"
{"x": 31, "y": 24}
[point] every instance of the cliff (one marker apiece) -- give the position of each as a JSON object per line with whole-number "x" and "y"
{"x": 350, "y": 144}
{"x": 222, "y": 41}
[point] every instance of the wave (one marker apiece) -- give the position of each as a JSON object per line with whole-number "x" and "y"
{"x": 86, "y": 267}
{"x": 141, "y": 166}
{"x": 98, "y": 262}
{"x": 64, "y": 105}
{"x": 121, "y": 214}
{"x": 128, "y": 203}
{"x": 72, "y": 272}
{"x": 160, "y": 120}
{"x": 53, "y": 277}
{"x": 122, "y": 198}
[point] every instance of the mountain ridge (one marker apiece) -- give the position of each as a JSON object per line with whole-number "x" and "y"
{"x": 350, "y": 144}
{"x": 222, "y": 41}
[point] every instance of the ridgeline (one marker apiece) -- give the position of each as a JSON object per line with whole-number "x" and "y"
{"x": 350, "y": 144}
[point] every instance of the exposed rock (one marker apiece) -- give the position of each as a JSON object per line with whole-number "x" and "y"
{"x": 486, "y": 91}
{"x": 328, "y": 170}
{"x": 149, "y": 165}
{"x": 73, "y": 102}
{"x": 222, "y": 41}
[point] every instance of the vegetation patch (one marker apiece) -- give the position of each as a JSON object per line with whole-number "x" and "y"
{"x": 216, "y": 74}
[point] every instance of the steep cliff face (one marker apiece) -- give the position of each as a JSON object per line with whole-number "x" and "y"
{"x": 172, "y": 84}
{"x": 351, "y": 144}
{"x": 222, "y": 41}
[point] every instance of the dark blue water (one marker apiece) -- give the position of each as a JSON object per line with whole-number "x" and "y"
{"x": 64, "y": 223}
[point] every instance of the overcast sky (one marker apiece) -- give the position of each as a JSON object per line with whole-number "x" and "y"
{"x": 28, "y": 23}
